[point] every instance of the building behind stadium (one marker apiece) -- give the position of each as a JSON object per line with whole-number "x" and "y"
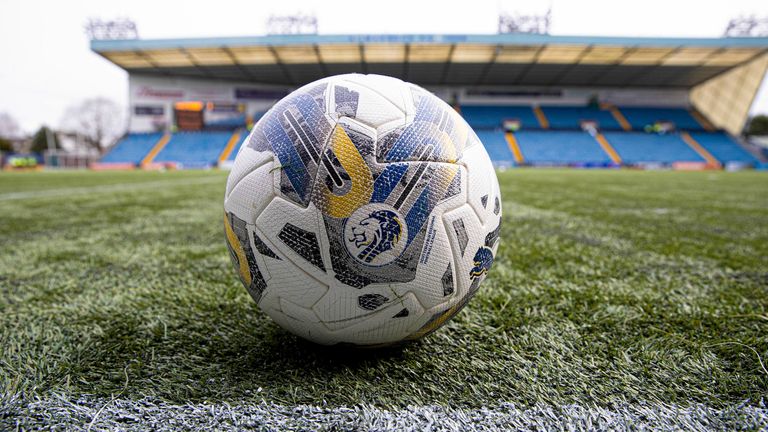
{"x": 533, "y": 99}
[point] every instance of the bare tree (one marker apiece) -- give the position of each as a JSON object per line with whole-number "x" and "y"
{"x": 99, "y": 120}
{"x": 9, "y": 128}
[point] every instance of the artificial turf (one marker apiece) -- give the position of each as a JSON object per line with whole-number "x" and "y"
{"x": 610, "y": 287}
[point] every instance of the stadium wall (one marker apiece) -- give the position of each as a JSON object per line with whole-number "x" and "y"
{"x": 572, "y": 96}
{"x": 151, "y": 98}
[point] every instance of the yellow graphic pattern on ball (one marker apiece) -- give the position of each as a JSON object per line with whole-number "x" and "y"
{"x": 359, "y": 193}
{"x": 237, "y": 248}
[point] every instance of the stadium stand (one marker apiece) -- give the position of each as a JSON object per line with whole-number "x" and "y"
{"x": 492, "y": 117}
{"x": 562, "y": 117}
{"x": 648, "y": 100}
{"x": 564, "y": 144}
{"x": 639, "y": 118}
{"x": 236, "y": 149}
{"x": 723, "y": 147}
{"x": 640, "y": 147}
{"x": 497, "y": 147}
{"x": 561, "y": 148}
{"x": 194, "y": 149}
{"x": 227, "y": 123}
{"x": 132, "y": 148}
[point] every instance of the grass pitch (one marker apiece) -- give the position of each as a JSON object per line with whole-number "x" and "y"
{"x": 610, "y": 288}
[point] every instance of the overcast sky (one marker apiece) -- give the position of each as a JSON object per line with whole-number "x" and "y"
{"x": 47, "y": 64}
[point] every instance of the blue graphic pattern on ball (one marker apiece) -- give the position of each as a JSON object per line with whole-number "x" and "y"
{"x": 482, "y": 262}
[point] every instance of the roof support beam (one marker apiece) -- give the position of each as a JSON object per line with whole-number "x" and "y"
{"x": 203, "y": 70}
{"x": 615, "y": 65}
{"x": 282, "y": 66}
{"x": 320, "y": 62}
{"x": 363, "y": 63}
{"x": 239, "y": 66}
{"x": 149, "y": 60}
{"x": 642, "y": 74}
{"x": 447, "y": 65}
{"x": 487, "y": 68}
{"x": 528, "y": 67}
{"x": 406, "y": 61}
{"x": 567, "y": 70}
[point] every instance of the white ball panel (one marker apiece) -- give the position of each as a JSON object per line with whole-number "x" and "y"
{"x": 428, "y": 284}
{"x": 392, "y": 89}
{"x": 247, "y": 160}
{"x": 274, "y": 218}
{"x": 475, "y": 237}
{"x": 298, "y": 312}
{"x": 288, "y": 281}
{"x": 381, "y": 327}
{"x": 481, "y": 182}
{"x": 308, "y": 330}
{"x": 251, "y": 194}
{"x": 373, "y": 109}
{"x": 340, "y": 307}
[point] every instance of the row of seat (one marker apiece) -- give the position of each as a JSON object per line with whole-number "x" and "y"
{"x": 572, "y": 117}
{"x": 189, "y": 149}
{"x": 577, "y": 147}
{"x": 132, "y": 148}
{"x": 200, "y": 149}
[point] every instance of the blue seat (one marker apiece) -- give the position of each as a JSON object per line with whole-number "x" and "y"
{"x": 497, "y": 147}
{"x": 639, "y": 118}
{"x": 723, "y": 147}
{"x": 243, "y": 136}
{"x": 560, "y": 148}
{"x": 194, "y": 148}
{"x": 640, "y": 147}
{"x": 493, "y": 116}
{"x": 132, "y": 148}
{"x": 227, "y": 123}
{"x": 571, "y": 117}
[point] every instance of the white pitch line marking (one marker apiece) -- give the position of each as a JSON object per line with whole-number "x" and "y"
{"x": 47, "y": 193}
{"x": 148, "y": 413}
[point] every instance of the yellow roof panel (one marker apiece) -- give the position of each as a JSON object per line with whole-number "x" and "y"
{"x": 603, "y": 54}
{"x": 517, "y": 54}
{"x": 466, "y": 53}
{"x": 731, "y": 56}
{"x": 560, "y": 53}
{"x": 646, "y": 56}
{"x": 253, "y": 55}
{"x": 128, "y": 59}
{"x": 297, "y": 54}
{"x": 688, "y": 56}
{"x": 171, "y": 57}
{"x": 210, "y": 56}
{"x": 384, "y": 53}
{"x": 429, "y": 53}
{"x": 340, "y": 53}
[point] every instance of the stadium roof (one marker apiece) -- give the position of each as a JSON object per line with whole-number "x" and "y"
{"x": 509, "y": 59}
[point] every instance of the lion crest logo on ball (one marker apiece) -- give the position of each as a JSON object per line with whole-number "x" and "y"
{"x": 375, "y": 235}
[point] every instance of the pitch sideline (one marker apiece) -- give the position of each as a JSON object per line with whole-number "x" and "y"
{"x": 148, "y": 413}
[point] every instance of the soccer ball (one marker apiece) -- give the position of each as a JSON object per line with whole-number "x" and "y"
{"x": 363, "y": 210}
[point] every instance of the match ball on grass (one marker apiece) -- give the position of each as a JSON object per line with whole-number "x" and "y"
{"x": 362, "y": 210}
